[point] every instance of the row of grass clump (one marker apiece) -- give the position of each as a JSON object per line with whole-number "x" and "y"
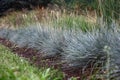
{"x": 76, "y": 48}
{"x": 107, "y": 10}
{"x": 13, "y": 67}
{"x": 53, "y": 19}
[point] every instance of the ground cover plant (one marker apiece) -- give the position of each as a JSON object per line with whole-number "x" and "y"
{"x": 13, "y": 67}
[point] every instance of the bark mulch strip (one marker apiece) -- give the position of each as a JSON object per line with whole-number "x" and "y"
{"x": 35, "y": 58}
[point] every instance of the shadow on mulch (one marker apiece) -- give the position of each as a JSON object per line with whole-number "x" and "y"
{"x": 35, "y": 58}
{"x": 7, "y": 6}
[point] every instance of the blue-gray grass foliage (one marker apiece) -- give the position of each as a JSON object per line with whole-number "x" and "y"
{"x": 77, "y": 48}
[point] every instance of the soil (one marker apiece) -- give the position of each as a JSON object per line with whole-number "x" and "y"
{"x": 36, "y": 58}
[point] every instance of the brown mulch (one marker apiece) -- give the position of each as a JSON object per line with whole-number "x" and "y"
{"x": 36, "y": 58}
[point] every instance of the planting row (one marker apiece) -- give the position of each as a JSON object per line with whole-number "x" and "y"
{"x": 78, "y": 49}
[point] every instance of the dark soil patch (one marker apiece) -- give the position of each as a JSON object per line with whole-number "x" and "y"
{"x": 35, "y": 58}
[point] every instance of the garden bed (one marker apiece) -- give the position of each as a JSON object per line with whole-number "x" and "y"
{"x": 35, "y": 58}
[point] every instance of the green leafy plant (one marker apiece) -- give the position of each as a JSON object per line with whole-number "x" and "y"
{"x": 13, "y": 67}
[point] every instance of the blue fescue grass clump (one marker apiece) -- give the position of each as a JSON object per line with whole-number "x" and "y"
{"x": 77, "y": 48}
